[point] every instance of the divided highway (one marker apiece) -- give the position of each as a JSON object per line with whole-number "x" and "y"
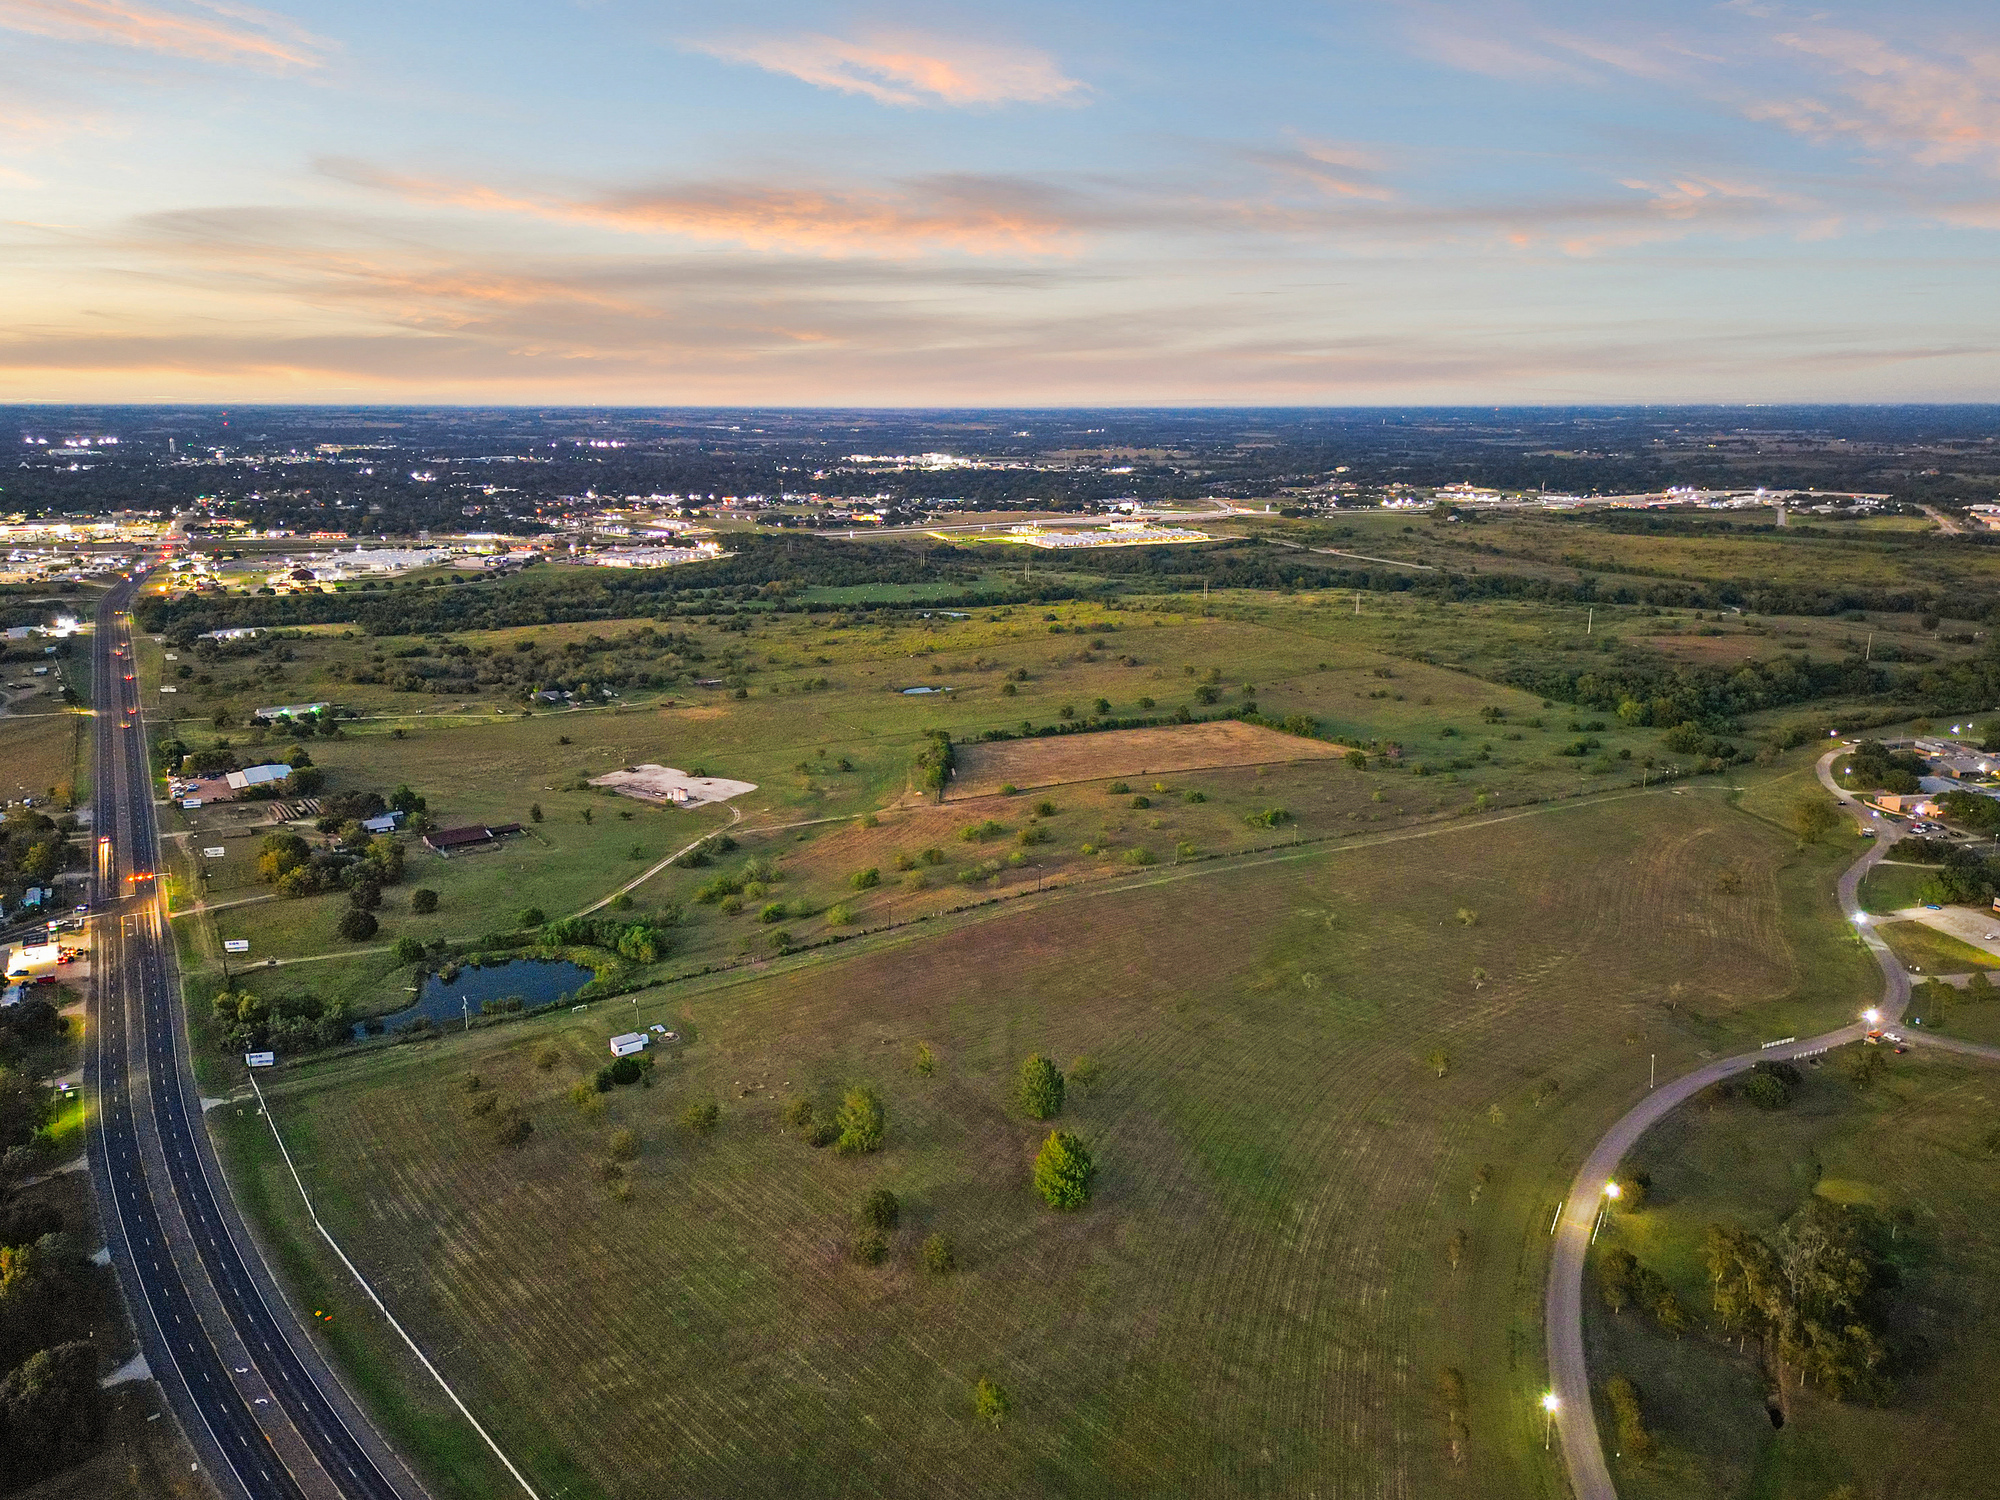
{"x": 259, "y": 1405}
{"x": 1569, "y": 1377}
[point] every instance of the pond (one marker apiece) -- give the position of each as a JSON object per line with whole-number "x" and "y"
{"x": 917, "y": 692}
{"x": 531, "y": 981}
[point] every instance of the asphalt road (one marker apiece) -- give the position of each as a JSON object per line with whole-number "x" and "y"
{"x": 259, "y": 1406}
{"x": 1569, "y": 1377}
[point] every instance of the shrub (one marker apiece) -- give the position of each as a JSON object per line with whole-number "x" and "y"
{"x": 980, "y": 832}
{"x": 839, "y": 916}
{"x": 530, "y": 916}
{"x": 1141, "y": 856}
{"x": 1270, "y": 817}
{"x": 409, "y": 950}
{"x": 774, "y": 912}
{"x": 1142, "y": 801}
{"x": 547, "y": 1056}
{"x": 512, "y": 1129}
{"x": 940, "y": 1257}
{"x": 1633, "y": 1438}
{"x": 700, "y": 1119}
{"x": 1118, "y": 789}
{"x": 423, "y": 900}
{"x": 1085, "y": 1072}
{"x": 1768, "y": 1089}
{"x": 797, "y": 1115}
{"x": 867, "y": 879}
{"x": 924, "y": 1062}
{"x": 869, "y": 1246}
{"x": 860, "y": 1123}
{"x": 624, "y": 1145}
{"x": 990, "y": 1401}
{"x": 1039, "y": 1087}
{"x": 1064, "y": 1171}
{"x": 617, "y": 1073}
{"x": 880, "y": 1209}
{"x": 822, "y": 1134}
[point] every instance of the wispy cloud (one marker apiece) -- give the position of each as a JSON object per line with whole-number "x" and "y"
{"x": 903, "y": 69}
{"x": 968, "y": 214}
{"x": 217, "y": 33}
{"x": 1938, "y": 109}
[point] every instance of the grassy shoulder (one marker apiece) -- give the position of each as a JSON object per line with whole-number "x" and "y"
{"x": 1271, "y": 1253}
{"x": 1912, "y": 1155}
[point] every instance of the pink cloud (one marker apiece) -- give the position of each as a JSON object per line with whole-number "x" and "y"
{"x": 905, "y": 70}
{"x": 969, "y": 215}
{"x": 212, "y": 33}
{"x": 1938, "y": 109}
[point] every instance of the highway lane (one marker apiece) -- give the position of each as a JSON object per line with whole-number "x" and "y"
{"x": 1569, "y": 1375}
{"x": 250, "y": 1392}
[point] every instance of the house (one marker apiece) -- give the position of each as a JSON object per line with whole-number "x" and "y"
{"x": 1907, "y": 806}
{"x": 629, "y": 1043}
{"x": 251, "y": 776}
{"x": 289, "y": 711}
{"x": 387, "y": 822}
{"x": 444, "y": 841}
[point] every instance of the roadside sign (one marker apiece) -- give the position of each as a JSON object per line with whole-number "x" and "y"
{"x": 190, "y": 803}
{"x": 236, "y": 945}
{"x": 217, "y": 853}
{"x": 170, "y": 690}
{"x": 261, "y": 1059}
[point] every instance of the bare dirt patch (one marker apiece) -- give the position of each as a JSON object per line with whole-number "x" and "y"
{"x": 663, "y": 784}
{"x": 983, "y": 769}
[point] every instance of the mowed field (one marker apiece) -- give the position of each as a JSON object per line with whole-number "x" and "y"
{"x": 985, "y": 769}
{"x": 37, "y": 753}
{"x": 1258, "y": 1300}
{"x": 1915, "y": 1143}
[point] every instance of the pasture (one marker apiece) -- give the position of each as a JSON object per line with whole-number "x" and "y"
{"x": 1911, "y": 1148}
{"x": 1259, "y": 1298}
{"x": 40, "y": 751}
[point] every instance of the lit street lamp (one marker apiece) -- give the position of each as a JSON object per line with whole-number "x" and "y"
{"x": 1871, "y": 1015}
{"x": 1549, "y": 1405}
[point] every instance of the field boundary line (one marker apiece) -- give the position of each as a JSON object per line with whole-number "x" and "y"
{"x": 380, "y": 1306}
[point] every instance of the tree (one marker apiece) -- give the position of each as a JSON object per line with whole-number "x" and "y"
{"x": 357, "y": 924}
{"x": 880, "y": 1209}
{"x": 1438, "y": 1060}
{"x": 1064, "y": 1171}
{"x": 870, "y": 1246}
{"x": 1814, "y": 816}
{"x": 535, "y": 812}
{"x": 701, "y": 1118}
{"x": 1633, "y": 1439}
{"x": 1040, "y": 1087}
{"x": 1865, "y": 1066}
{"x": 51, "y": 1411}
{"x": 990, "y": 1401}
{"x": 423, "y": 901}
{"x": 409, "y": 950}
{"x": 1455, "y": 1248}
{"x": 860, "y": 1123}
{"x": 940, "y": 1256}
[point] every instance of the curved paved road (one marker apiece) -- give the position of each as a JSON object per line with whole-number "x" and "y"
{"x": 1569, "y": 1378}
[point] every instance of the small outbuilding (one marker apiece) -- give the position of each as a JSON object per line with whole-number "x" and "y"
{"x": 629, "y": 1043}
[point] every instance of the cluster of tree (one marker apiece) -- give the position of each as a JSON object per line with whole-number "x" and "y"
{"x": 643, "y": 942}
{"x": 1648, "y": 690}
{"x": 50, "y": 1403}
{"x": 33, "y": 1023}
{"x": 291, "y": 1023}
{"x": 1771, "y": 1085}
{"x": 856, "y": 1128}
{"x": 1812, "y": 1301}
{"x": 1873, "y": 764}
{"x": 752, "y": 881}
{"x": 287, "y": 861}
{"x": 934, "y": 763}
{"x": 1972, "y": 811}
{"x": 1963, "y": 875}
{"x": 1626, "y": 1283}
{"x": 32, "y": 849}
{"x": 342, "y": 813}
{"x": 1628, "y": 1419}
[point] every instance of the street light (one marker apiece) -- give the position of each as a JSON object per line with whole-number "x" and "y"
{"x": 1871, "y": 1015}
{"x": 1612, "y": 1190}
{"x": 1549, "y": 1404}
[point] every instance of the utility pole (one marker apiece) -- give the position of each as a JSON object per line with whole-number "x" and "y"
{"x": 1357, "y": 601}
{"x": 465, "y": 1006}
{"x": 1871, "y": 647}
{"x": 1652, "y": 1068}
{"x": 1589, "y": 620}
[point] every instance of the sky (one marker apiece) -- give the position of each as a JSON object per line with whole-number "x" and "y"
{"x": 1356, "y": 202}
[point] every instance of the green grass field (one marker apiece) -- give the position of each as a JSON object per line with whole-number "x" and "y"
{"x": 1891, "y": 887}
{"x": 40, "y": 752}
{"x": 1912, "y": 1144}
{"x": 1259, "y": 1298}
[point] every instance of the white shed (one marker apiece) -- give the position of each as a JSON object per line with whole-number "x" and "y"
{"x": 630, "y": 1042}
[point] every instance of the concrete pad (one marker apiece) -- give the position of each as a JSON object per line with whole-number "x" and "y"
{"x": 663, "y": 784}
{"x": 1969, "y": 924}
{"x": 134, "y": 1368}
